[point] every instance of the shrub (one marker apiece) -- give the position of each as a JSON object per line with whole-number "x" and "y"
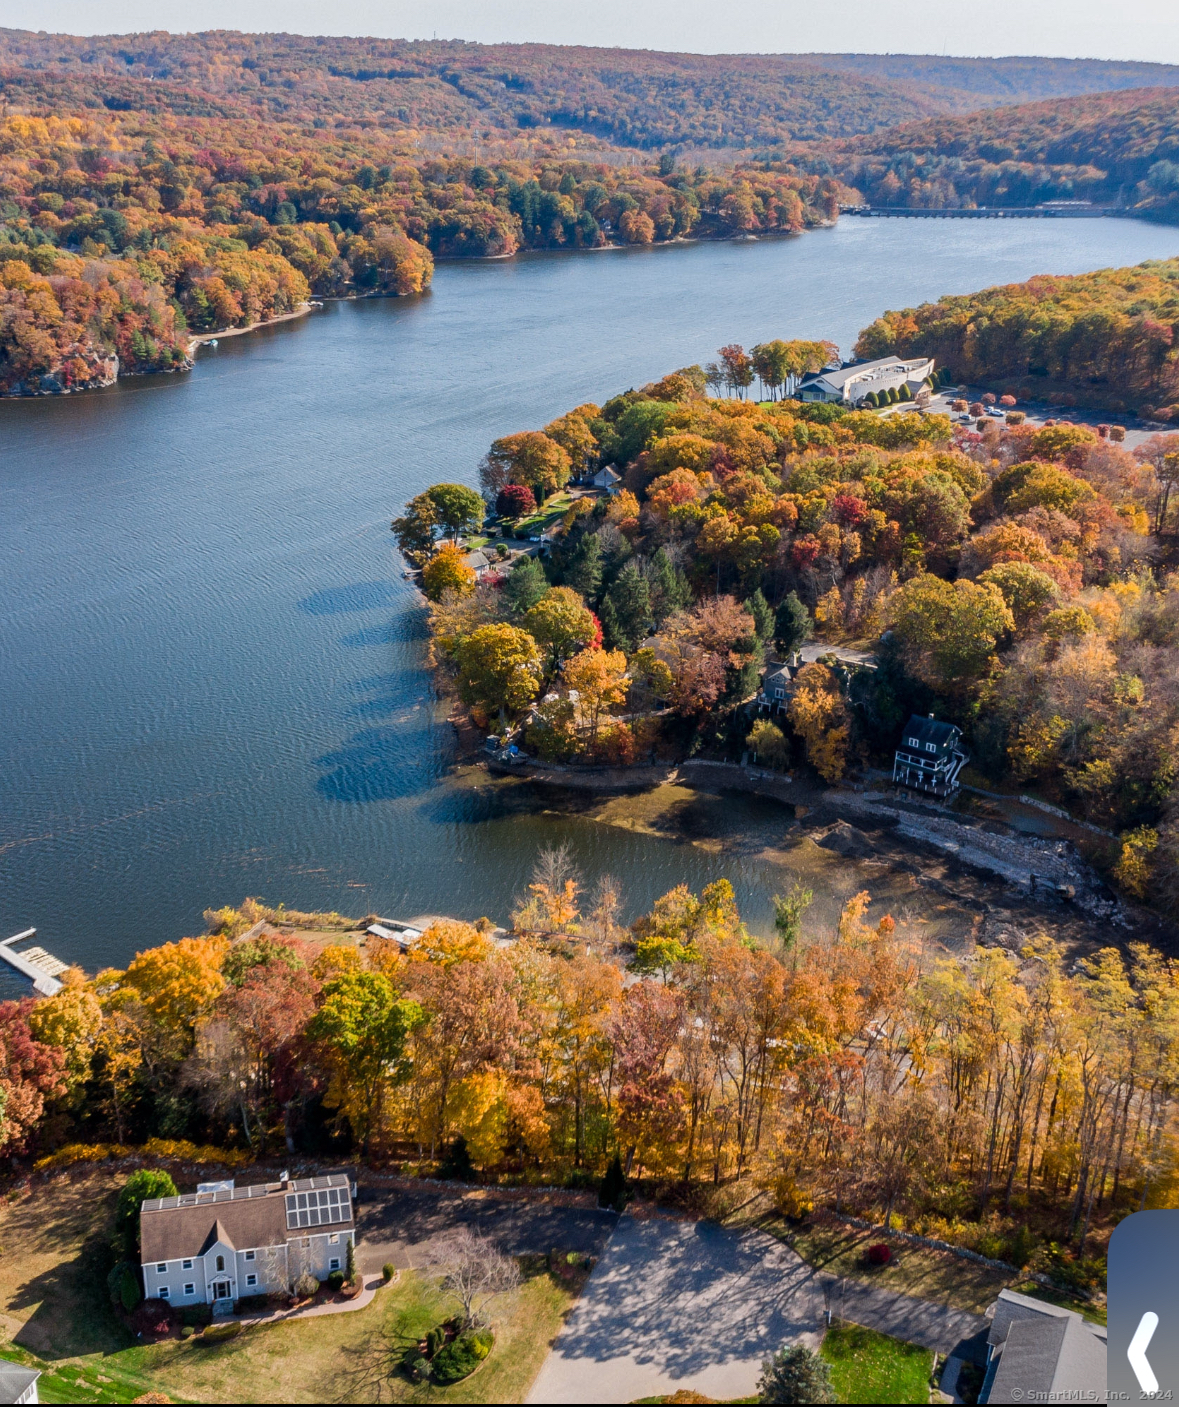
{"x": 336, "y": 1281}
{"x": 1016, "y": 417}
{"x": 459, "y": 1358}
{"x": 904, "y": 394}
{"x": 879, "y": 1254}
{"x": 153, "y": 1317}
{"x": 795, "y": 1375}
{"x": 456, "y": 1162}
{"x": 989, "y": 398}
{"x": 129, "y": 1292}
{"x": 1022, "y": 1247}
{"x": 958, "y": 405}
{"x": 220, "y": 1333}
{"x": 388, "y": 1270}
{"x": 350, "y": 1262}
{"x": 306, "y": 1285}
{"x": 1117, "y": 433}
{"x": 1007, "y": 401}
{"x": 791, "y": 1200}
{"x": 186, "y": 1331}
{"x": 414, "y": 1364}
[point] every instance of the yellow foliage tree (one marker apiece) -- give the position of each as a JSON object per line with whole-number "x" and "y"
{"x": 819, "y": 715}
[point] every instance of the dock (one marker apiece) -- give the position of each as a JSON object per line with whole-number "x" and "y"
{"x": 40, "y": 967}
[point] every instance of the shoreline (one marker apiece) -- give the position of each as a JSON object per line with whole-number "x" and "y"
{"x": 201, "y": 338}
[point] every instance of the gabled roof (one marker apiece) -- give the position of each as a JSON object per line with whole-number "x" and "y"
{"x": 244, "y": 1218}
{"x": 217, "y": 1236}
{"x": 1049, "y": 1360}
{"x": 15, "y": 1379}
{"x": 608, "y": 475}
{"x": 928, "y": 730}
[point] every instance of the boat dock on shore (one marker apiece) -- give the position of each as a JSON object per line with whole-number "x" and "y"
{"x": 40, "y": 967}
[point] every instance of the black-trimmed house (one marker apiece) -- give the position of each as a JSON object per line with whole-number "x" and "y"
{"x": 930, "y": 756}
{"x": 224, "y": 1243}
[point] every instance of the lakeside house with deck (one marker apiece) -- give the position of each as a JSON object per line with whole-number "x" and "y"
{"x": 223, "y": 1243}
{"x": 929, "y": 756}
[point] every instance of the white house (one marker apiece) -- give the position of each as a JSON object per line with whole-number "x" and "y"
{"x": 850, "y": 383}
{"x": 608, "y": 478}
{"x": 18, "y": 1383}
{"x": 219, "y": 1245}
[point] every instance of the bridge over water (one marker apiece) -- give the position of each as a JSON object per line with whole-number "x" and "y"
{"x": 987, "y": 212}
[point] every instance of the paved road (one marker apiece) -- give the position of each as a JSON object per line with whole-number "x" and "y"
{"x": 934, "y": 1326}
{"x": 409, "y": 1224}
{"x": 675, "y": 1305}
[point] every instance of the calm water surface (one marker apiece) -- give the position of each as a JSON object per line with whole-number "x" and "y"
{"x": 211, "y": 672}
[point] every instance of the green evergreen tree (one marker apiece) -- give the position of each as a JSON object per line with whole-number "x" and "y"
{"x": 763, "y": 618}
{"x": 140, "y": 1187}
{"x": 631, "y": 599}
{"x": 584, "y": 570}
{"x": 525, "y": 585}
{"x": 612, "y": 636}
{"x": 669, "y": 587}
{"x": 612, "y": 1192}
{"x": 795, "y": 1375}
{"x": 792, "y": 624}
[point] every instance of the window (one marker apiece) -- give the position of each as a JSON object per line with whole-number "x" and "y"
{"x": 162, "y": 1267}
{"x": 931, "y": 747}
{"x": 249, "y": 1255}
{"x": 334, "y": 1263}
{"x": 187, "y": 1265}
{"x": 220, "y": 1262}
{"x": 334, "y": 1238}
{"x": 190, "y": 1289}
{"x": 251, "y": 1279}
{"x": 165, "y": 1292}
{"x": 914, "y": 743}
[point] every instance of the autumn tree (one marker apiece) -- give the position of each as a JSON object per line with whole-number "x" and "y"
{"x": 447, "y": 570}
{"x": 30, "y": 1073}
{"x": 561, "y": 625}
{"x": 950, "y": 630}
{"x": 362, "y": 1025}
{"x": 819, "y": 715}
{"x": 499, "y": 669}
{"x": 599, "y": 678}
{"x": 529, "y": 457}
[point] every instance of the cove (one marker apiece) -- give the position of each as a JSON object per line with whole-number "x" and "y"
{"x": 212, "y": 676}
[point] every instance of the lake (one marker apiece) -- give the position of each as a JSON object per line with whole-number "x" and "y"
{"x": 211, "y": 671}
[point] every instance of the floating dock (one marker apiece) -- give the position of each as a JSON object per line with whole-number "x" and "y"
{"x": 40, "y": 967}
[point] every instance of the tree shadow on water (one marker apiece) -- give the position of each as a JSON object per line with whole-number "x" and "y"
{"x": 379, "y": 764}
{"x": 339, "y": 600}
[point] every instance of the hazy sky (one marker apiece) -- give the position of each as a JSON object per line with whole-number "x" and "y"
{"x": 1129, "y": 29}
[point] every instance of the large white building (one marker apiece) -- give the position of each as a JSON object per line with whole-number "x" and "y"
{"x": 222, "y": 1244}
{"x": 849, "y": 384}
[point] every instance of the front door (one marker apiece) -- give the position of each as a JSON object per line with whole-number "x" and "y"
{"x": 221, "y": 1290}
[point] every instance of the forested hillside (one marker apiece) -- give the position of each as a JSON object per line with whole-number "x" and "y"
{"x": 1100, "y": 339}
{"x": 1111, "y": 148}
{"x": 625, "y": 97}
{"x": 122, "y": 233}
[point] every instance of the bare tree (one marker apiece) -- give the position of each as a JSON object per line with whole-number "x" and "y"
{"x": 554, "y": 867}
{"x": 476, "y": 1272}
{"x": 603, "y": 926}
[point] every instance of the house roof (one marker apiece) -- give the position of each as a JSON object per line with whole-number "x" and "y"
{"x": 920, "y": 730}
{"x": 264, "y": 1214}
{"x": 15, "y": 1378}
{"x": 839, "y": 377}
{"x": 1046, "y": 1358}
{"x": 781, "y": 675}
{"x": 608, "y": 475}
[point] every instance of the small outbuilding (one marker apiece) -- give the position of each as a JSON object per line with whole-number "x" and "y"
{"x": 930, "y": 756}
{"x": 18, "y": 1383}
{"x": 608, "y": 478}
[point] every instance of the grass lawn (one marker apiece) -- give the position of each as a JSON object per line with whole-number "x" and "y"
{"x": 54, "y": 1310}
{"x": 871, "y": 1367}
{"x": 1095, "y": 1313}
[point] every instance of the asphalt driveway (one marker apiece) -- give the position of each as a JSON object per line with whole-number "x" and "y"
{"x": 409, "y": 1224}
{"x": 675, "y": 1305}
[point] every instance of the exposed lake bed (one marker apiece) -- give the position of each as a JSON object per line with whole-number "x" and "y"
{"x": 213, "y": 676}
